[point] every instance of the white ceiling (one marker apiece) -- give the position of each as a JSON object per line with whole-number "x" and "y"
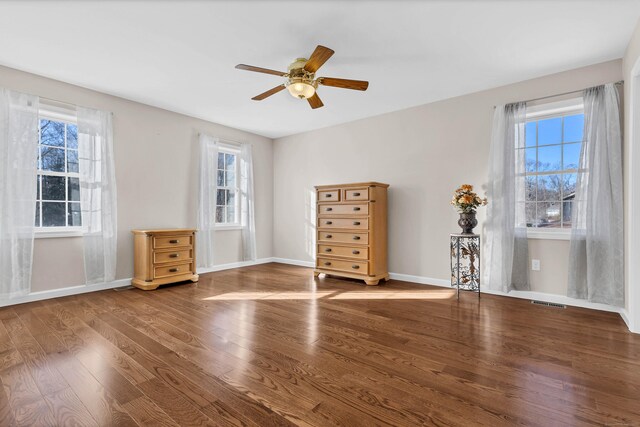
{"x": 180, "y": 55}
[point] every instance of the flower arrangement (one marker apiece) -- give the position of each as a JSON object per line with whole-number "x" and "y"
{"x": 465, "y": 200}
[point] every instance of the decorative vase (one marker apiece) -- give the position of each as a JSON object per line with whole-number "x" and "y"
{"x": 467, "y": 222}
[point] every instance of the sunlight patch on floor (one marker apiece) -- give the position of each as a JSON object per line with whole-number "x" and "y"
{"x": 377, "y": 295}
{"x": 428, "y": 294}
{"x": 230, "y": 296}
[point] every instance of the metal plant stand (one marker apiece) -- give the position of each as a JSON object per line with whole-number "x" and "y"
{"x": 465, "y": 262}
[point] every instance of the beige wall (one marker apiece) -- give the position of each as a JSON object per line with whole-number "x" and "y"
{"x": 156, "y": 172}
{"x": 424, "y": 153}
{"x": 631, "y": 56}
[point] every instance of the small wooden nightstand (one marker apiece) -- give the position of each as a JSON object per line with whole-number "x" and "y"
{"x": 163, "y": 256}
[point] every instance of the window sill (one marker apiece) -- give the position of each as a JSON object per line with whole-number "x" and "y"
{"x": 227, "y": 227}
{"x": 51, "y": 234}
{"x": 549, "y": 235}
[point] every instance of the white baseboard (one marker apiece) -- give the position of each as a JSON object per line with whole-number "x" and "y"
{"x": 82, "y": 289}
{"x": 538, "y": 296}
{"x": 63, "y": 292}
{"x": 557, "y": 299}
{"x": 625, "y": 317}
{"x": 231, "y": 265}
{"x": 420, "y": 279}
{"x": 299, "y": 263}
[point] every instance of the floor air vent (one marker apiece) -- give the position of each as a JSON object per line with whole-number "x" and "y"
{"x": 549, "y": 304}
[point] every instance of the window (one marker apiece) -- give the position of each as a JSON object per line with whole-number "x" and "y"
{"x": 553, "y": 140}
{"x": 58, "y": 180}
{"x": 227, "y": 200}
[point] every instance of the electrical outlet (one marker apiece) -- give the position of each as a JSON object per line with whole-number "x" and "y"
{"x": 535, "y": 264}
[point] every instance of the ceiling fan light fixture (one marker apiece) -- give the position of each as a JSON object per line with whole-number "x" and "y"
{"x": 301, "y": 81}
{"x": 301, "y": 89}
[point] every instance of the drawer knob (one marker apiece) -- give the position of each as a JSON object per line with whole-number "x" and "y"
{"x": 355, "y": 252}
{"x": 328, "y": 250}
{"x": 329, "y": 222}
{"x": 327, "y": 195}
{"x": 329, "y": 236}
{"x": 355, "y": 267}
{"x": 356, "y": 237}
{"x": 356, "y": 194}
{"x": 356, "y": 222}
{"x": 174, "y": 270}
{"x": 356, "y": 208}
{"x": 329, "y": 209}
{"x": 327, "y": 263}
{"x": 174, "y": 255}
{"x": 174, "y": 241}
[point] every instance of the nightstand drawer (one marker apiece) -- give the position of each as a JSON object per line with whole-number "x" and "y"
{"x": 343, "y": 251}
{"x": 354, "y": 223}
{"x": 359, "y": 209}
{"x": 329, "y": 196}
{"x": 172, "y": 256}
{"x": 356, "y": 267}
{"x": 342, "y": 237}
{"x": 172, "y": 270}
{"x": 172, "y": 241}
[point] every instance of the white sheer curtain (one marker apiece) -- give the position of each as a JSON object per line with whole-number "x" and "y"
{"x": 506, "y": 251}
{"x": 596, "y": 253}
{"x": 207, "y": 190}
{"x": 18, "y": 169}
{"x": 247, "y": 211}
{"x": 97, "y": 194}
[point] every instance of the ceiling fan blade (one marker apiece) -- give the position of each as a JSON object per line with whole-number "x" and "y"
{"x": 315, "y": 101}
{"x": 268, "y": 93}
{"x": 260, "y": 70}
{"x": 318, "y": 57}
{"x": 344, "y": 83}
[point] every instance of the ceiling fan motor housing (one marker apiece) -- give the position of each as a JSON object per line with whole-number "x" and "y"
{"x": 299, "y": 63}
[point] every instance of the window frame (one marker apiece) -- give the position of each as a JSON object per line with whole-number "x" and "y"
{"x": 62, "y": 115}
{"x": 567, "y": 107}
{"x": 233, "y": 150}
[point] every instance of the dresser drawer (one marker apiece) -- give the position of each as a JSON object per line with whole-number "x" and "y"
{"x": 356, "y": 194}
{"x": 341, "y": 237}
{"x": 172, "y": 270}
{"x": 351, "y": 209}
{"x": 172, "y": 256}
{"x": 329, "y": 196}
{"x": 354, "y": 223}
{"x": 172, "y": 241}
{"x": 357, "y": 267}
{"x": 343, "y": 251}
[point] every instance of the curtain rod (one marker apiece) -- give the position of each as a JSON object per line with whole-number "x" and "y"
{"x": 74, "y": 106}
{"x": 223, "y": 140}
{"x": 618, "y": 83}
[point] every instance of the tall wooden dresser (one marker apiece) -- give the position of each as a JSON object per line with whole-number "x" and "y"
{"x": 352, "y": 231}
{"x": 163, "y": 256}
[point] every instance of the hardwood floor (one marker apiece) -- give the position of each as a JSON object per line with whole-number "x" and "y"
{"x": 269, "y": 346}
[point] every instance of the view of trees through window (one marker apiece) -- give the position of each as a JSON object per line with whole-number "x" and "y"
{"x": 226, "y": 200}
{"x": 552, "y": 156}
{"x": 58, "y": 186}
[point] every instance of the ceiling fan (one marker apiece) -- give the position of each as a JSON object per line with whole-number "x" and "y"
{"x": 301, "y": 78}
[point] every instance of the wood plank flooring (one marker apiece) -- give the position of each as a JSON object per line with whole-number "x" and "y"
{"x": 270, "y": 346}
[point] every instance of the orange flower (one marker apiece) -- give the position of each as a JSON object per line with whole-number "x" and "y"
{"x": 466, "y": 199}
{"x": 466, "y": 187}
